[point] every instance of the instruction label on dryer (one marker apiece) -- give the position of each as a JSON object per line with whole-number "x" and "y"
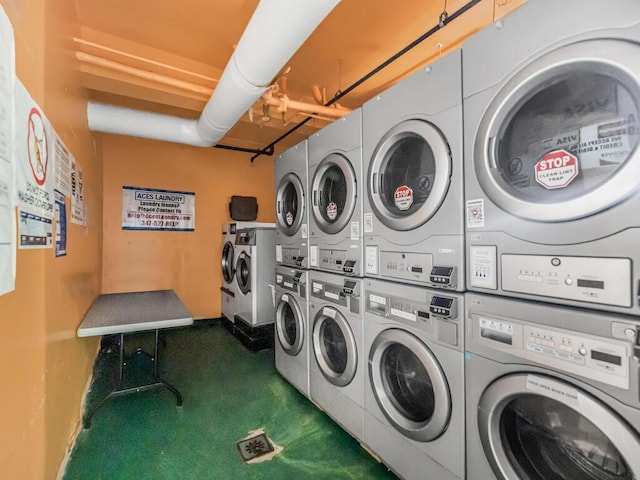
{"x": 552, "y": 389}
{"x": 475, "y": 213}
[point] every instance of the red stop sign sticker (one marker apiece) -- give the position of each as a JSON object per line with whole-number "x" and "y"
{"x": 556, "y": 169}
{"x": 403, "y": 197}
{"x": 332, "y": 211}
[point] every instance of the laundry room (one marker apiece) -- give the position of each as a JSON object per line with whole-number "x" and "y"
{"x": 320, "y": 239}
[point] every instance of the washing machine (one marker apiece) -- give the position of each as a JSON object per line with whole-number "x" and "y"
{"x": 414, "y": 393}
{"x": 229, "y": 289}
{"x": 412, "y": 153}
{"x": 336, "y": 362}
{"x": 255, "y": 275}
{"x": 292, "y": 212}
{"x": 292, "y": 326}
{"x": 552, "y": 391}
{"x": 551, "y": 155}
{"x": 335, "y": 191}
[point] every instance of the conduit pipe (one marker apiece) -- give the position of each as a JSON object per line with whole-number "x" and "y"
{"x": 276, "y": 30}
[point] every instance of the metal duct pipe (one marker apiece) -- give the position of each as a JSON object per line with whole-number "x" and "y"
{"x": 276, "y": 30}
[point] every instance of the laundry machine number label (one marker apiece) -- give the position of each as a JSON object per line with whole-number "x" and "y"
{"x": 556, "y": 390}
{"x": 403, "y": 197}
{"x": 556, "y": 169}
{"x": 332, "y": 211}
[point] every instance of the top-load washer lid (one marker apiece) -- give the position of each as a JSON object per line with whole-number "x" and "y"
{"x": 535, "y": 427}
{"x": 409, "y": 175}
{"x": 228, "y": 262}
{"x": 409, "y": 385}
{"x": 559, "y": 140}
{"x": 334, "y": 193}
{"x": 290, "y": 204}
{"x": 243, "y": 272}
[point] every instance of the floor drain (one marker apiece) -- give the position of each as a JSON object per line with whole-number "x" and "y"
{"x": 254, "y": 447}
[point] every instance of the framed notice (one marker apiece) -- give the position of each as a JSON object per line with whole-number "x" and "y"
{"x": 149, "y": 209}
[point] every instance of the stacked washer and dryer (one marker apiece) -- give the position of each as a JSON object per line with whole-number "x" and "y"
{"x": 553, "y": 260}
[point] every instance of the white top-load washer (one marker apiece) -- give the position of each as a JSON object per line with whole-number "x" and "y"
{"x": 292, "y": 211}
{"x": 255, "y": 275}
{"x": 337, "y": 366}
{"x": 551, "y": 112}
{"x": 335, "y": 196}
{"x": 412, "y": 153}
{"x": 292, "y": 326}
{"x": 414, "y": 393}
{"x": 552, "y": 391}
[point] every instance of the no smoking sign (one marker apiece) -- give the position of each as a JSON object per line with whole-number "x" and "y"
{"x": 556, "y": 169}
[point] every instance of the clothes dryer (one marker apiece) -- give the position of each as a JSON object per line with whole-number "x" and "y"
{"x": 229, "y": 289}
{"x": 255, "y": 275}
{"x": 336, "y": 363}
{"x": 292, "y": 212}
{"x": 552, "y": 392}
{"x": 414, "y": 393}
{"x": 412, "y": 151}
{"x": 551, "y": 154}
{"x": 335, "y": 184}
{"x": 292, "y": 326}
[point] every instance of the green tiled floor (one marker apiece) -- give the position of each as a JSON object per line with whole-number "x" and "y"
{"x": 228, "y": 392}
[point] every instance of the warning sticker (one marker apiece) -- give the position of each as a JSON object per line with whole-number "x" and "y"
{"x": 289, "y": 218}
{"x": 556, "y": 169}
{"x": 403, "y": 197}
{"x": 332, "y": 211}
{"x": 475, "y": 213}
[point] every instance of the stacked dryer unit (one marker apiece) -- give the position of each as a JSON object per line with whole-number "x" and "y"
{"x": 552, "y": 232}
{"x": 414, "y": 241}
{"x": 292, "y": 261}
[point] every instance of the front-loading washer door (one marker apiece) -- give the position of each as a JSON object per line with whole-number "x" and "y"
{"x": 243, "y": 272}
{"x": 534, "y": 427}
{"x": 334, "y": 193}
{"x": 560, "y": 139}
{"x": 409, "y": 385}
{"x": 289, "y": 325}
{"x": 228, "y": 262}
{"x": 409, "y": 175}
{"x": 334, "y": 346}
{"x": 290, "y": 204}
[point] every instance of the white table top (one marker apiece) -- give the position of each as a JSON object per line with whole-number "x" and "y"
{"x": 134, "y": 312}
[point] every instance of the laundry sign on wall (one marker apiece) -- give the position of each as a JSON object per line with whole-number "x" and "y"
{"x": 150, "y": 209}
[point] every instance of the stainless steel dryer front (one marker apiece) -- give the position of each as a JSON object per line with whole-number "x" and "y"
{"x": 552, "y": 392}
{"x": 412, "y": 153}
{"x": 414, "y": 392}
{"x": 336, "y": 362}
{"x": 551, "y": 109}
{"x": 335, "y": 184}
{"x": 292, "y": 326}
{"x": 292, "y": 211}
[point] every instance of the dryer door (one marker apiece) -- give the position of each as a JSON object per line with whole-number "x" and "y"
{"x": 333, "y": 193}
{"x": 290, "y": 204}
{"x": 334, "y": 346}
{"x": 409, "y": 175}
{"x": 560, "y": 139}
{"x": 289, "y": 325}
{"x": 534, "y": 427}
{"x": 227, "y": 262}
{"x": 243, "y": 272}
{"x": 409, "y": 385}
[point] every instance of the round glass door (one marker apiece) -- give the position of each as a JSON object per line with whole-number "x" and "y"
{"x": 334, "y": 193}
{"x": 535, "y": 434}
{"x": 559, "y": 141}
{"x": 409, "y": 385}
{"x": 243, "y": 272}
{"x": 289, "y": 325}
{"x": 227, "y": 262}
{"x": 334, "y": 347}
{"x": 409, "y": 175}
{"x": 290, "y": 204}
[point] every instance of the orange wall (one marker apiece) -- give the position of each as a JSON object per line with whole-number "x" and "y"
{"x": 43, "y": 366}
{"x": 188, "y": 262}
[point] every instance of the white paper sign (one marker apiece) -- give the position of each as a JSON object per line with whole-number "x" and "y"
{"x": 77, "y": 193}
{"x": 35, "y": 231}
{"x": 62, "y": 162}
{"x": 148, "y": 209}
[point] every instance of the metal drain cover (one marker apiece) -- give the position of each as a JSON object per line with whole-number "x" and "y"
{"x": 254, "y": 447}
